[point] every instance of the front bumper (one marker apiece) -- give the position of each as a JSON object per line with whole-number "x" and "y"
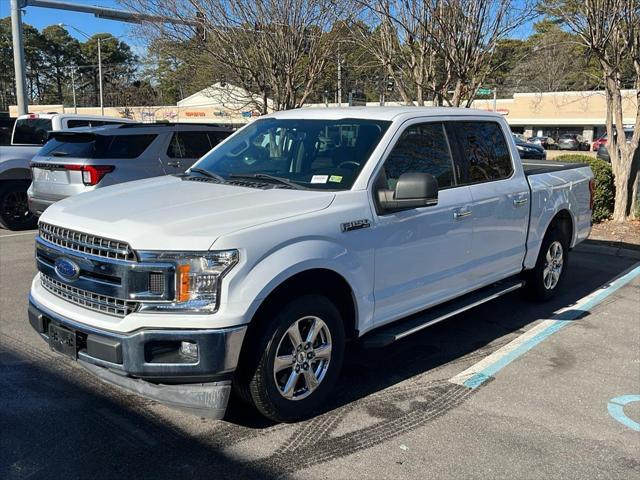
{"x": 146, "y": 361}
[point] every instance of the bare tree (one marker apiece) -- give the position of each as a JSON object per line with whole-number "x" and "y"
{"x": 277, "y": 48}
{"x": 610, "y": 30}
{"x": 441, "y": 47}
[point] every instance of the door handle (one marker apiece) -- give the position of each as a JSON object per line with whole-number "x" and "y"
{"x": 518, "y": 202}
{"x": 174, "y": 164}
{"x": 460, "y": 214}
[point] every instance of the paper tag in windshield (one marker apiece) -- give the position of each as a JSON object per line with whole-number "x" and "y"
{"x": 335, "y": 178}
{"x": 319, "y": 179}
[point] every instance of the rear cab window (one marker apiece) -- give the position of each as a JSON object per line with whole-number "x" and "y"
{"x": 483, "y": 152}
{"x": 31, "y": 131}
{"x": 88, "y": 145}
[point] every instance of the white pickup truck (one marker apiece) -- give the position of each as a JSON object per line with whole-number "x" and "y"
{"x": 302, "y": 232}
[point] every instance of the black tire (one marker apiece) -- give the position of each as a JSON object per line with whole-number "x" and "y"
{"x": 539, "y": 287}
{"x": 14, "y": 209}
{"x": 257, "y": 379}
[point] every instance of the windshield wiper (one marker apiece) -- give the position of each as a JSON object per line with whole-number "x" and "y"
{"x": 207, "y": 173}
{"x": 266, "y": 176}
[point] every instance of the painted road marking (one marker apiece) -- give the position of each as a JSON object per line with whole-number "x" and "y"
{"x": 482, "y": 371}
{"x": 19, "y": 234}
{"x": 616, "y": 410}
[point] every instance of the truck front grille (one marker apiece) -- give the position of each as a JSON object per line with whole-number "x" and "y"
{"x": 86, "y": 243}
{"x": 93, "y": 301}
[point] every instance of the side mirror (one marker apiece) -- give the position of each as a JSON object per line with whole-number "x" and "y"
{"x": 413, "y": 190}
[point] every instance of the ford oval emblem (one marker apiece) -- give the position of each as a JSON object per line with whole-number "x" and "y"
{"x": 66, "y": 269}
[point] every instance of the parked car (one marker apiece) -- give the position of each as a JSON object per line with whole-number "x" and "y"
{"x": 29, "y": 133}
{"x": 253, "y": 269}
{"x": 572, "y": 141}
{"x": 599, "y": 141}
{"x": 603, "y": 153}
{"x": 548, "y": 143}
{"x": 529, "y": 150}
{"x": 520, "y": 137}
{"x": 81, "y": 160}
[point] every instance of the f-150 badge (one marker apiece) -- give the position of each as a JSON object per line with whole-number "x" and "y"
{"x": 355, "y": 225}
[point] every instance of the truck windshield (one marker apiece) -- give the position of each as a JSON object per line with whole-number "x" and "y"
{"x": 31, "y": 131}
{"x": 317, "y": 154}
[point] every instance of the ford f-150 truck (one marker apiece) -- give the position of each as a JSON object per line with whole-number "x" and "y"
{"x": 297, "y": 235}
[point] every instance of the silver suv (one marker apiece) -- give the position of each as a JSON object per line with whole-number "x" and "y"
{"x": 83, "y": 159}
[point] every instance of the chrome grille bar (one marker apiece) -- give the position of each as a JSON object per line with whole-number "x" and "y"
{"x": 93, "y": 301}
{"x": 86, "y": 243}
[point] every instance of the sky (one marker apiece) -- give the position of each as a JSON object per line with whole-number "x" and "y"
{"x": 86, "y": 22}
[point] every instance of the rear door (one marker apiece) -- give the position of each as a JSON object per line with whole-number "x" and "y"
{"x": 185, "y": 147}
{"x": 500, "y": 198}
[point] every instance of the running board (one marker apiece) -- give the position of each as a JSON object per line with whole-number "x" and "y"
{"x": 383, "y": 336}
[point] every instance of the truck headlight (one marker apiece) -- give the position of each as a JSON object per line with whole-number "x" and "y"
{"x": 198, "y": 278}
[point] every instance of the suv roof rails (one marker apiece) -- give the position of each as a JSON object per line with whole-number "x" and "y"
{"x": 173, "y": 124}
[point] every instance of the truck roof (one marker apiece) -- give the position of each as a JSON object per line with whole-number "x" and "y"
{"x": 378, "y": 113}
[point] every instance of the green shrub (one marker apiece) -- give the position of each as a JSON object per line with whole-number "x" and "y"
{"x": 605, "y": 190}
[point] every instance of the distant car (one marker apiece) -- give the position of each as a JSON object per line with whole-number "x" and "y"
{"x": 599, "y": 141}
{"x": 520, "y": 136}
{"x": 84, "y": 159}
{"x": 572, "y": 141}
{"x": 548, "y": 143}
{"x": 603, "y": 153}
{"x": 529, "y": 150}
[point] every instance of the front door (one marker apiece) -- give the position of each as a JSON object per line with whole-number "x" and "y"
{"x": 421, "y": 254}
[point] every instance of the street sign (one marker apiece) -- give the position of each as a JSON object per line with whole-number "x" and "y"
{"x": 484, "y": 91}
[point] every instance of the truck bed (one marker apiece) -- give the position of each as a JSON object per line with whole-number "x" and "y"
{"x": 534, "y": 167}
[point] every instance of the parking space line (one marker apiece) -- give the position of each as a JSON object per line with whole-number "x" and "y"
{"x": 31, "y": 232}
{"x": 482, "y": 371}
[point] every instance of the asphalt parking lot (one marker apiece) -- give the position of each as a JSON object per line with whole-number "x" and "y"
{"x": 396, "y": 413}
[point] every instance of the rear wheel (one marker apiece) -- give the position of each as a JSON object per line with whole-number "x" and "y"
{"x": 14, "y": 206}
{"x": 547, "y": 275}
{"x": 300, "y": 357}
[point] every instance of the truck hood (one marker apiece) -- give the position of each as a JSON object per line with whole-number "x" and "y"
{"x": 168, "y": 213}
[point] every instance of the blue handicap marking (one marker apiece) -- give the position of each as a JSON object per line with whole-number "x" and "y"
{"x": 616, "y": 410}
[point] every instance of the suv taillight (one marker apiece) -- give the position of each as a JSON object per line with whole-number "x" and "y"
{"x": 91, "y": 174}
{"x": 592, "y": 192}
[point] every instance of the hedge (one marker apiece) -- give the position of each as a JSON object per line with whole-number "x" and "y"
{"x": 604, "y": 197}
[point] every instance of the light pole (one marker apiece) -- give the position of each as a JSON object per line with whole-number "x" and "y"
{"x": 18, "y": 57}
{"x": 99, "y": 68}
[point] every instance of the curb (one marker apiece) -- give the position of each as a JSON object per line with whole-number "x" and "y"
{"x": 587, "y": 247}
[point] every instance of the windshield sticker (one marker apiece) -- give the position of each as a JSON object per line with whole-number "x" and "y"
{"x": 319, "y": 179}
{"x": 335, "y": 178}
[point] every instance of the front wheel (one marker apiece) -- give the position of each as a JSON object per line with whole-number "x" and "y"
{"x": 547, "y": 275}
{"x": 14, "y": 206}
{"x": 302, "y": 350}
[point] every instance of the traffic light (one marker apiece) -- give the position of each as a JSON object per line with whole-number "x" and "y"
{"x": 391, "y": 83}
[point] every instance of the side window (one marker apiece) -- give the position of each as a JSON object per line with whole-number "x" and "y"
{"x": 216, "y": 137}
{"x": 77, "y": 123}
{"x": 421, "y": 148}
{"x": 484, "y": 152}
{"x": 188, "y": 145}
{"x": 124, "y": 146}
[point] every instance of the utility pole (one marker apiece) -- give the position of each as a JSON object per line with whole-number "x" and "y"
{"x": 339, "y": 81}
{"x": 18, "y": 57}
{"x": 73, "y": 87}
{"x": 100, "y": 77}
